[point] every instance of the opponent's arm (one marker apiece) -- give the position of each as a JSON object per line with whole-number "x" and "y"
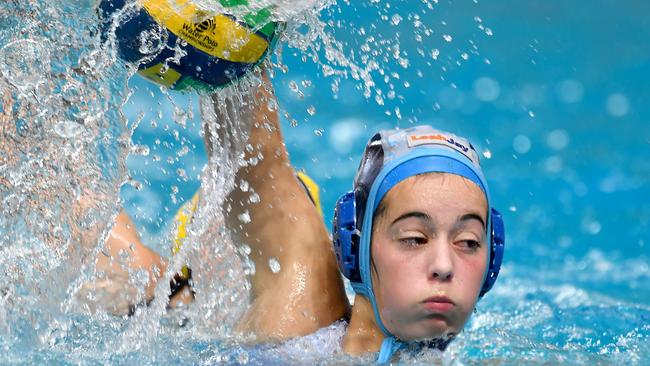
{"x": 126, "y": 271}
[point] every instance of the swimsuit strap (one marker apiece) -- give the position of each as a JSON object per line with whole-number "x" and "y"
{"x": 311, "y": 188}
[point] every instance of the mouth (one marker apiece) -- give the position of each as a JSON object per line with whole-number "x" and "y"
{"x": 438, "y": 304}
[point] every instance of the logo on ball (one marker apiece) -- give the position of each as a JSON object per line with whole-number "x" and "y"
{"x": 205, "y": 25}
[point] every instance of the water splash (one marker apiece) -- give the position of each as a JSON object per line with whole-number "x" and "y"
{"x": 62, "y": 150}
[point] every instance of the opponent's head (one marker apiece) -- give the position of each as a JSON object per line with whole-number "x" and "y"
{"x": 418, "y": 236}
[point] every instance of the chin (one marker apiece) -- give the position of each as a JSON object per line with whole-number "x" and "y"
{"x": 429, "y": 329}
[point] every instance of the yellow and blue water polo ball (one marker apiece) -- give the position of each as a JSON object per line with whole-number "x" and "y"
{"x": 214, "y": 49}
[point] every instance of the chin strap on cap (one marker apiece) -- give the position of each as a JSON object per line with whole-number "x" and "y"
{"x": 389, "y": 346}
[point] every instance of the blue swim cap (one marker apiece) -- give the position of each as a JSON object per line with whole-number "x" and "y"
{"x": 390, "y": 157}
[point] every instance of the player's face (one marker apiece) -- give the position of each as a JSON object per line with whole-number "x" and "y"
{"x": 429, "y": 255}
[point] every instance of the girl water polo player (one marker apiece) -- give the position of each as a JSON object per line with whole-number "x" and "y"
{"x": 417, "y": 237}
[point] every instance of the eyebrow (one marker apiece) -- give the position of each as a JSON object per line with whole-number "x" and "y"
{"x": 426, "y": 218}
{"x": 415, "y": 214}
{"x": 472, "y": 216}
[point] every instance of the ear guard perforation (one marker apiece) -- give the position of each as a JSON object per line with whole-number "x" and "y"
{"x": 346, "y": 237}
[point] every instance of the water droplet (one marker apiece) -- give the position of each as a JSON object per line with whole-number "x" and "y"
{"x": 254, "y": 198}
{"x": 319, "y": 132}
{"x": 152, "y": 40}
{"x": 137, "y": 185}
{"x": 68, "y": 129}
{"x": 293, "y": 86}
{"x": 447, "y": 38}
{"x": 180, "y": 172}
{"x": 243, "y": 185}
{"x": 123, "y": 255}
{"x": 274, "y": 265}
{"x": 487, "y": 154}
{"x": 183, "y": 151}
{"x": 396, "y": 19}
{"x": 244, "y": 217}
{"x": 246, "y": 249}
{"x": 138, "y": 149}
{"x": 311, "y": 110}
{"x": 272, "y": 105}
{"x": 180, "y": 117}
{"x": 531, "y": 114}
{"x": 26, "y": 62}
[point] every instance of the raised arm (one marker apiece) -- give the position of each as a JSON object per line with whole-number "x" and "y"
{"x": 307, "y": 293}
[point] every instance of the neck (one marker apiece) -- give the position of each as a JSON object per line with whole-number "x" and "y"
{"x": 363, "y": 334}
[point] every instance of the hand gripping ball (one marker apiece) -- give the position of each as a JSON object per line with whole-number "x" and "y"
{"x": 180, "y": 46}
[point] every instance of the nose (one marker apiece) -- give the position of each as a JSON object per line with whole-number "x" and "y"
{"x": 441, "y": 265}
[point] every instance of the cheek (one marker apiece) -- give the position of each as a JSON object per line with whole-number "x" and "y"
{"x": 394, "y": 280}
{"x": 471, "y": 273}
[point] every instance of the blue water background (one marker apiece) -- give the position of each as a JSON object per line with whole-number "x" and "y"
{"x": 556, "y": 101}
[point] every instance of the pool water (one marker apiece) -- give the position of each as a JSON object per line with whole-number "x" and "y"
{"x": 552, "y": 94}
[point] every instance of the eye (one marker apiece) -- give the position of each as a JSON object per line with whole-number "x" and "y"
{"x": 413, "y": 241}
{"x": 469, "y": 244}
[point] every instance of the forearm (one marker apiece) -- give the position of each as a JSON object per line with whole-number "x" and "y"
{"x": 246, "y": 111}
{"x": 118, "y": 281}
{"x": 267, "y": 168}
{"x": 245, "y": 123}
